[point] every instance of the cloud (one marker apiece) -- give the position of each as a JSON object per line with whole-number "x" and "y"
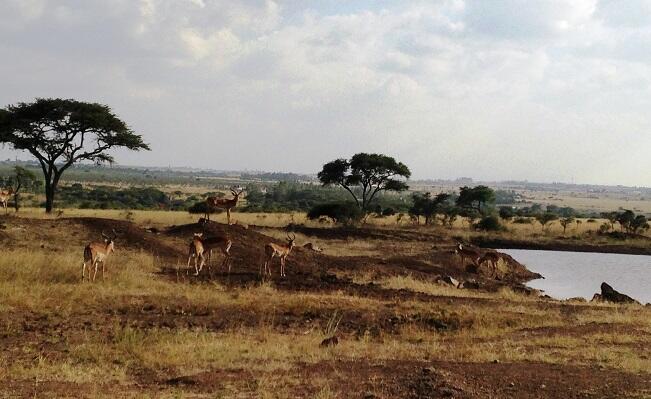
{"x": 495, "y": 90}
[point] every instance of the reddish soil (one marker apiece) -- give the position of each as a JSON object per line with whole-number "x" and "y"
{"x": 51, "y": 335}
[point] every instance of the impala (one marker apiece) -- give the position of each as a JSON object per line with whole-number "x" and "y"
{"x": 470, "y": 253}
{"x": 223, "y": 244}
{"x": 223, "y": 203}
{"x": 199, "y": 246}
{"x": 5, "y": 195}
{"x": 492, "y": 258}
{"x": 272, "y": 250}
{"x": 196, "y": 251}
{"x": 96, "y": 253}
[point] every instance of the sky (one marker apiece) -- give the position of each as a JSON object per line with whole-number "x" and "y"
{"x": 553, "y": 90}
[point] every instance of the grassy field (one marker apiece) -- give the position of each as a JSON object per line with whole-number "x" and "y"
{"x": 148, "y": 331}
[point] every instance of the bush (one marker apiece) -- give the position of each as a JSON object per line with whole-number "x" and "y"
{"x": 489, "y": 223}
{"x": 522, "y": 220}
{"x": 200, "y": 208}
{"x": 388, "y": 212}
{"x": 506, "y": 212}
{"x": 340, "y": 212}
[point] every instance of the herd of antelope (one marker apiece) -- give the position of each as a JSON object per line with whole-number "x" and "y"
{"x": 201, "y": 247}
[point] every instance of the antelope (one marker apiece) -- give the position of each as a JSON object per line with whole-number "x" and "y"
{"x": 200, "y": 246}
{"x": 222, "y": 203}
{"x": 96, "y": 253}
{"x": 196, "y": 251}
{"x": 5, "y": 195}
{"x": 224, "y": 244}
{"x": 469, "y": 253}
{"x": 492, "y": 258}
{"x": 272, "y": 250}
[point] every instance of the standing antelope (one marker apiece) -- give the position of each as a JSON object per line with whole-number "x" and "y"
{"x": 96, "y": 253}
{"x": 469, "y": 253}
{"x": 492, "y": 258}
{"x": 222, "y": 203}
{"x": 5, "y": 195}
{"x": 272, "y": 250}
{"x": 199, "y": 246}
{"x": 196, "y": 251}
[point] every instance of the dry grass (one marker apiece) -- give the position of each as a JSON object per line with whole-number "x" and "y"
{"x": 491, "y": 326}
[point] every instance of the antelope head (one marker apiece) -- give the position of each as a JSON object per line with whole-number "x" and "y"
{"x": 237, "y": 192}
{"x": 110, "y": 240}
{"x": 290, "y": 240}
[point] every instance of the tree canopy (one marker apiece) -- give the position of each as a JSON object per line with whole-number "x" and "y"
{"x": 60, "y": 133}
{"x": 475, "y": 197}
{"x": 427, "y": 206}
{"x": 365, "y": 175}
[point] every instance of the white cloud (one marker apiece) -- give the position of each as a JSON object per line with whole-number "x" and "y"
{"x": 495, "y": 90}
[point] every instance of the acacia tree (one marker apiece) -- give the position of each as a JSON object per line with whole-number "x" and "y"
{"x": 60, "y": 133}
{"x": 428, "y": 206}
{"x": 566, "y": 222}
{"x": 22, "y": 178}
{"x": 475, "y": 197}
{"x": 545, "y": 218}
{"x": 368, "y": 174}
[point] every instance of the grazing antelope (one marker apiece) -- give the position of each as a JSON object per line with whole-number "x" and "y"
{"x": 272, "y": 250}
{"x": 492, "y": 258}
{"x": 223, "y": 203}
{"x": 5, "y": 196}
{"x": 223, "y": 244}
{"x": 199, "y": 246}
{"x": 96, "y": 253}
{"x": 465, "y": 252}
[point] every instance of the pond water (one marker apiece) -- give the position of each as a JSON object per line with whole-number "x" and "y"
{"x": 580, "y": 274}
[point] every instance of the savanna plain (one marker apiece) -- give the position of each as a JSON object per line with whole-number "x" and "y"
{"x": 371, "y": 316}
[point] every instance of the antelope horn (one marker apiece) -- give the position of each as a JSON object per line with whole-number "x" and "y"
{"x": 104, "y": 235}
{"x": 293, "y": 236}
{"x": 115, "y": 234}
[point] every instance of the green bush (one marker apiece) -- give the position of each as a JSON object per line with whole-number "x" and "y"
{"x": 340, "y": 212}
{"x": 489, "y": 223}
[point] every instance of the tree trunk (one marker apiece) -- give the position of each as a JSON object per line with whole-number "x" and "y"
{"x": 49, "y": 196}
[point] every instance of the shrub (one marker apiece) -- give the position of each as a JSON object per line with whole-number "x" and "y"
{"x": 489, "y": 223}
{"x": 200, "y": 207}
{"x": 506, "y": 212}
{"x": 388, "y": 211}
{"x": 522, "y": 220}
{"x": 340, "y": 212}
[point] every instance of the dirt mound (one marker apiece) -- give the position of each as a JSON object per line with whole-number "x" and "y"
{"x": 131, "y": 236}
{"x": 248, "y": 249}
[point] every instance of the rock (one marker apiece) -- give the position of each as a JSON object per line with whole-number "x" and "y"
{"x": 576, "y": 299}
{"x": 496, "y": 361}
{"x": 451, "y": 281}
{"x": 609, "y": 294}
{"x": 470, "y": 284}
{"x": 511, "y": 384}
{"x": 332, "y": 341}
{"x": 597, "y": 298}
